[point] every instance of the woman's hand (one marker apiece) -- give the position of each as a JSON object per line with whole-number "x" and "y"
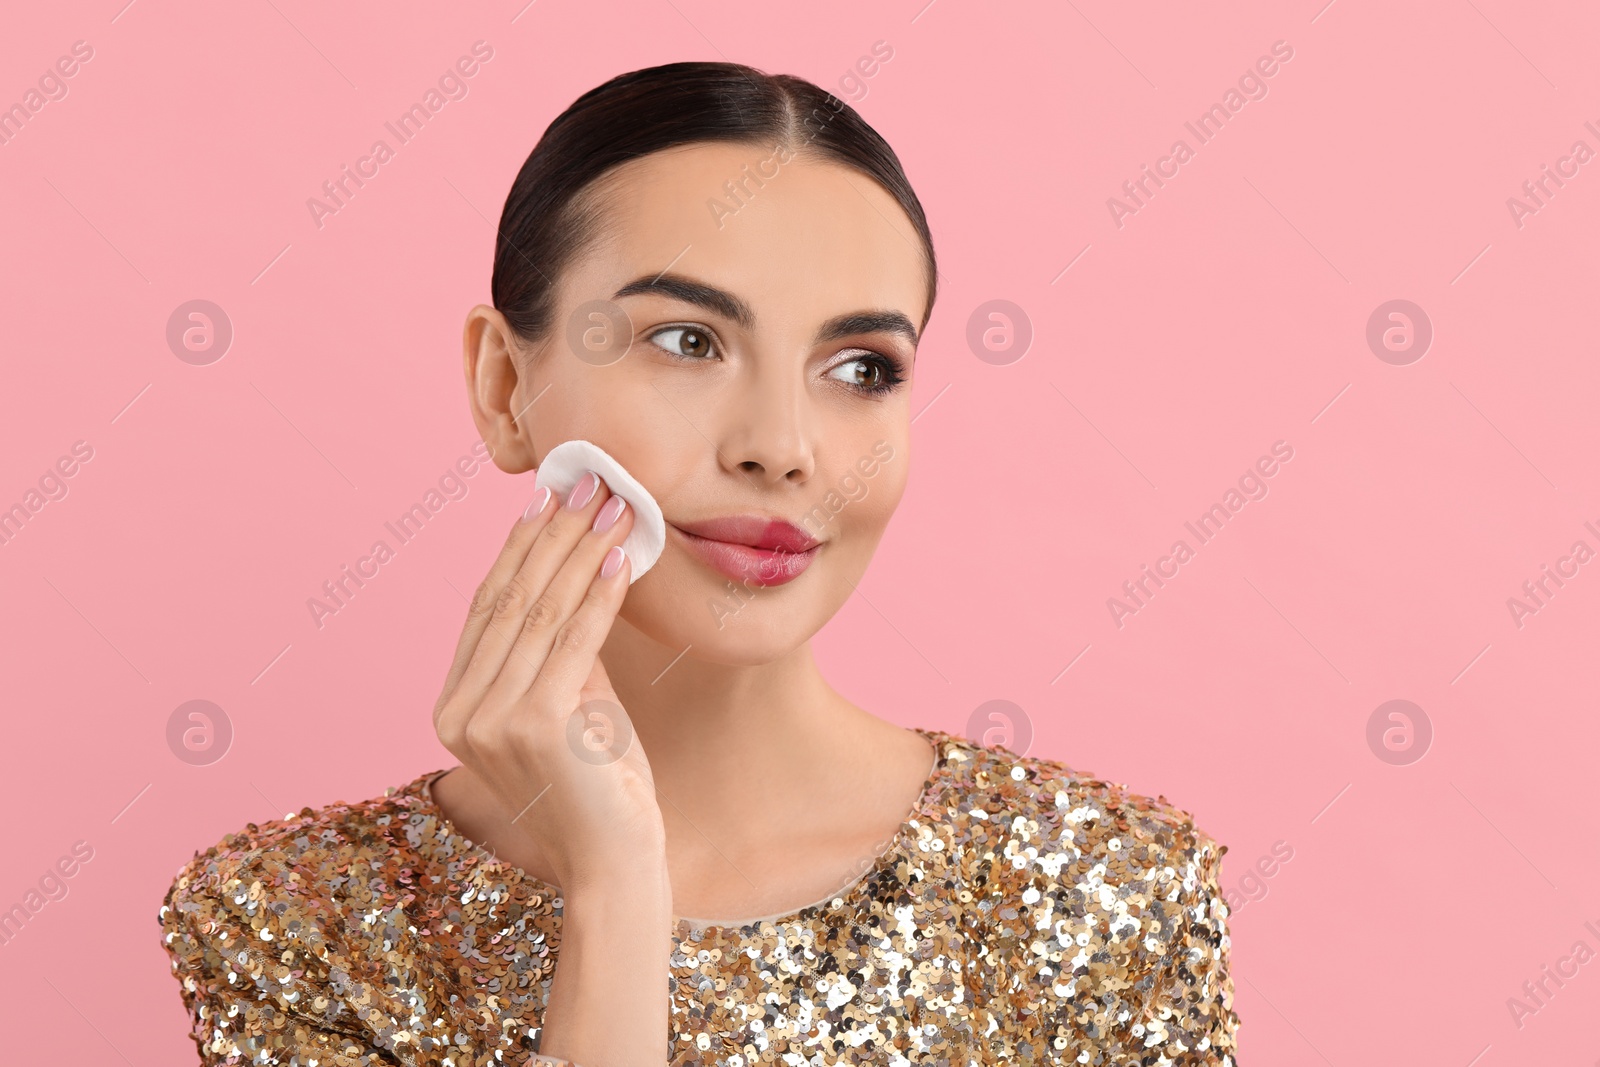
{"x": 527, "y": 707}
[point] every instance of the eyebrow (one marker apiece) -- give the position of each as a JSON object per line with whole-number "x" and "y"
{"x": 731, "y": 307}
{"x": 868, "y": 322}
{"x": 709, "y": 297}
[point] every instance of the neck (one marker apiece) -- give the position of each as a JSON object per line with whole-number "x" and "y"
{"x": 716, "y": 731}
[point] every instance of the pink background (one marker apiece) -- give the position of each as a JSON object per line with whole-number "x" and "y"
{"x": 1229, "y": 313}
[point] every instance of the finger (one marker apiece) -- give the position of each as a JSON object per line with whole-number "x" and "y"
{"x": 574, "y": 655}
{"x": 564, "y": 594}
{"x": 598, "y": 683}
{"x": 505, "y": 598}
{"x": 525, "y": 597}
{"x": 524, "y": 531}
{"x": 573, "y": 688}
{"x": 573, "y": 680}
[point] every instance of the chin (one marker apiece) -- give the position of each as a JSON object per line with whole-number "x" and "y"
{"x": 678, "y": 607}
{"x": 730, "y": 647}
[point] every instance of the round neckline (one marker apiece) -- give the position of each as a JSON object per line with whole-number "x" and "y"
{"x": 931, "y": 788}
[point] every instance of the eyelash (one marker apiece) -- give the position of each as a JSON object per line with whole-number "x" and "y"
{"x": 892, "y": 371}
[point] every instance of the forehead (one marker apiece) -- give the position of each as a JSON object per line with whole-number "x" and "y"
{"x": 799, "y": 241}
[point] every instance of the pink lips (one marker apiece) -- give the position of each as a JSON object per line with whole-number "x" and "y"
{"x": 751, "y": 548}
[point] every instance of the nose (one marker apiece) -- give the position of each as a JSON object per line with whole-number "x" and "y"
{"x": 769, "y": 433}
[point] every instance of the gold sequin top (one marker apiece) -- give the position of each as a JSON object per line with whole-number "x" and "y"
{"x": 1025, "y": 914}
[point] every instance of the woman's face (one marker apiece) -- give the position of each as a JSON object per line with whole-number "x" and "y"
{"x": 773, "y": 302}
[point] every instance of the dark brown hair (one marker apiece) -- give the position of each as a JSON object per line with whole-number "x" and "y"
{"x": 545, "y": 222}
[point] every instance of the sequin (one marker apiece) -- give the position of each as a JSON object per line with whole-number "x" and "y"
{"x": 1026, "y": 913}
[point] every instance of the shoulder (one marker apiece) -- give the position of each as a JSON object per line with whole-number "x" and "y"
{"x": 298, "y": 870}
{"x": 1048, "y": 814}
{"x": 1098, "y": 912}
{"x": 284, "y": 936}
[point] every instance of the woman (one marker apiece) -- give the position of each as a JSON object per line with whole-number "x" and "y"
{"x": 757, "y": 271}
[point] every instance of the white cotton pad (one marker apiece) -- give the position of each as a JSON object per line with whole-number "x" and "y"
{"x": 566, "y": 463}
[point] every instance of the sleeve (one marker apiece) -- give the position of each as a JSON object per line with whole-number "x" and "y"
{"x": 1186, "y": 999}
{"x": 252, "y": 993}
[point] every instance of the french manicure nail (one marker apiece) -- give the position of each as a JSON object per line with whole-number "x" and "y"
{"x": 541, "y": 500}
{"x": 583, "y": 492}
{"x": 613, "y": 562}
{"x": 608, "y": 514}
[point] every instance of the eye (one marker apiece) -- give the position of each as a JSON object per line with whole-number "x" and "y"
{"x": 869, "y": 373}
{"x": 688, "y": 342}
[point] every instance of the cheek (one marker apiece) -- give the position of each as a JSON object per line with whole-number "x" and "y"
{"x": 679, "y": 603}
{"x": 884, "y": 468}
{"x": 616, "y": 408}
{"x": 868, "y": 503}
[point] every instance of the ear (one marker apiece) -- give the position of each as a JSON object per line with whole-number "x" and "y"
{"x": 500, "y": 388}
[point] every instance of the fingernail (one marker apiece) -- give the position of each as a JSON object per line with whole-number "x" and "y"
{"x": 541, "y": 500}
{"x": 608, "y": 514}
{"x": 583, "y": 492}
{"x": 613, "y": 562}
